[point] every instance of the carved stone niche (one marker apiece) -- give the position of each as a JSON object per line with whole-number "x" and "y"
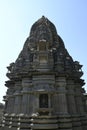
{"x": 43, "y": 100}
{"x": 42, "y": 46}
{"x": 43, "y": 59}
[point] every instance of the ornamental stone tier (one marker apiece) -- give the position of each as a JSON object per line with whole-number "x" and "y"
{"x": 45, "y": 89}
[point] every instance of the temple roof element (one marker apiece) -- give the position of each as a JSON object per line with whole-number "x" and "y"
{"x": 44, "y": 32}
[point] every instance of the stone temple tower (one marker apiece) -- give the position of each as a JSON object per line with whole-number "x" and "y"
{"x": 45, "y": 86}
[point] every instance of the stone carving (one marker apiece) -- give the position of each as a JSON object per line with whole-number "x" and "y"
{"x": 45, "y": 86}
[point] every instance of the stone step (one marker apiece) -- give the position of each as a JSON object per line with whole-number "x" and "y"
{"x": 44, "y": 126}
{"x": 44, "y": 121}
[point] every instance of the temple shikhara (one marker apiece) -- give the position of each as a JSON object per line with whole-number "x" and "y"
{"x": 45, "y": 88}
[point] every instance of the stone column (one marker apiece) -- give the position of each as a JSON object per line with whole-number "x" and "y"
{"x": 64, "y": 120}
{"x": 17, "y": 94}
{"x": 24, "y": 103}
{"x": 31, "y": 109}
{"x": 10, "y": 99}
{"x": 61, "y": 97}
{"x": 49, "y": 102}
{"x": 55, "y": 103}
{"x": 80, "y": 107}
{"x": 78, "y": 97}
{"x": 25, "y": 85}
{"x": 8, "y": 105}
{"x": 30, "y": 98}
{"x": 12, "y": 104}
{"x": 26, "y": 95}
{"x": 71, "y": 97}
{"x": 34, "y": 102}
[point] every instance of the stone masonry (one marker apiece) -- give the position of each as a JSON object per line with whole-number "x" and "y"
{"x": 45, "y": 89}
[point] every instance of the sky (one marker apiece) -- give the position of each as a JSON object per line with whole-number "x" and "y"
{"x": 17, "y": 17}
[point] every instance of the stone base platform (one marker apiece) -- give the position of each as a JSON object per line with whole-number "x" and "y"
{"x": 45, "y": 122}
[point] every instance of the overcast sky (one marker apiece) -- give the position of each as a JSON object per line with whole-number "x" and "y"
{"x": 17, "y": 17}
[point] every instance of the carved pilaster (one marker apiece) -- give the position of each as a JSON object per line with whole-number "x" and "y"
{"x": 26, "y": 95}
{"x": 17, "y": 94}
{"x": 61, "y": 95}
{"x": 71, "y": 97}
{"x": 10, "y": 99}
{"x": 78, "y": 97}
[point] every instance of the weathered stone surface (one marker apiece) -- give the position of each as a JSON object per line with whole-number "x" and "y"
{"x": 45, "y": 86}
